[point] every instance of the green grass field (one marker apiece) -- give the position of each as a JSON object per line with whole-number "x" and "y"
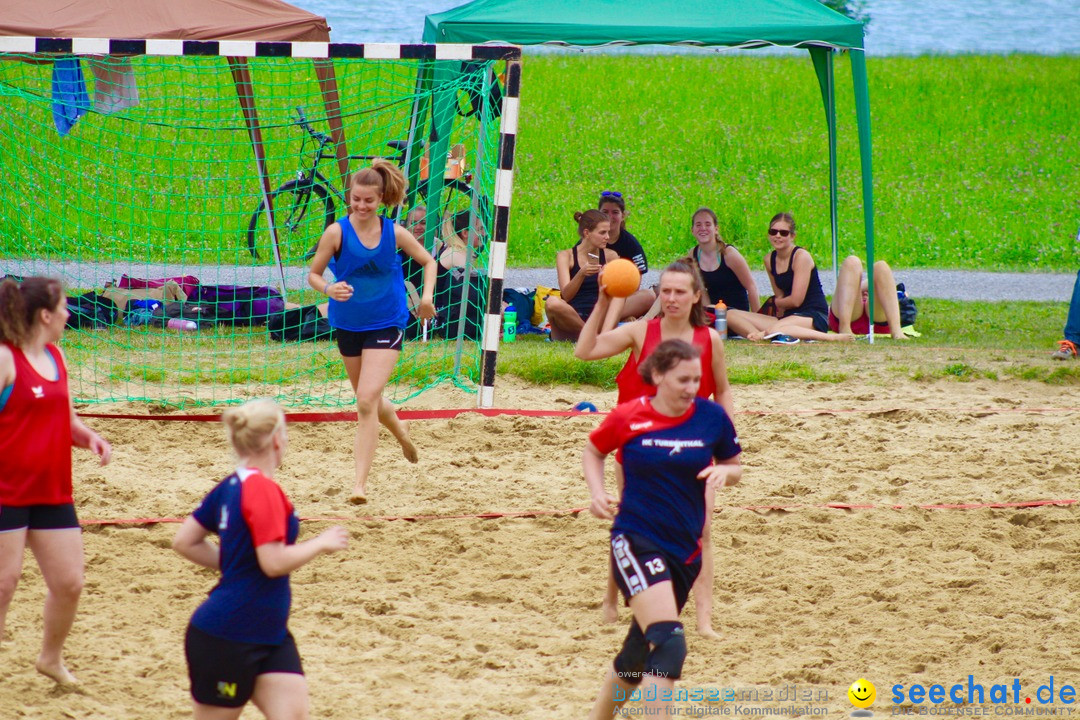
{"x": 975, "y": 158}
{"x": 960, "y": 341}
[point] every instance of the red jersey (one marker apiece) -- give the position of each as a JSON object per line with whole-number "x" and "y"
{"x": 629, "y": 381}
{"x": 35, "y": 436}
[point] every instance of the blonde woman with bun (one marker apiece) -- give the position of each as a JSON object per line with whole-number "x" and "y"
{"x": 368, "y": 305}
{"x": 238, "y": 645}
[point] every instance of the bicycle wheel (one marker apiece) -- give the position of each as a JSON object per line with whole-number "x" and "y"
{"x": 302, "y": 210}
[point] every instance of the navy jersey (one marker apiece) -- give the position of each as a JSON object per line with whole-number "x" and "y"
{"x": 246, "y": 510}
{"x": 627, "y": 246}
{"x": 378, "y": 299}
{"x": 663, "y": 499}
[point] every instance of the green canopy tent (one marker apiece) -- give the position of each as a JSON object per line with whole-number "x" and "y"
{"x": 702, "y": 23}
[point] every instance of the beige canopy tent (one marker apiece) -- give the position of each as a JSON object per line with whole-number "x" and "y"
{"x": 162, "y": 19}
{"x": 265, "y": 20}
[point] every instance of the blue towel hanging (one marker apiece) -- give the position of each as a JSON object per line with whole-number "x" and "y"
{"x": 70, "y": 99}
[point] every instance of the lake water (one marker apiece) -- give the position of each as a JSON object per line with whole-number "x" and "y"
{"x": 897, "y": 27}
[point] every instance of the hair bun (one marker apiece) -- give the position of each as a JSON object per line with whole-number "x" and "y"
{"x": 578, "y": 216}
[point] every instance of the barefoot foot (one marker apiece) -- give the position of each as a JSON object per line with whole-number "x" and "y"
{"x": 407, "y": 447}
{"x": 707, "y": 631}
{"x": 56, "y": 671}
{"x": 358, "y": 496}
{"x": 610, "y": 612}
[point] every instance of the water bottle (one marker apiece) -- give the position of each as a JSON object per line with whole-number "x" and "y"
{"x": 721, "y": 320}
{"x": 509, "y": 324}
{"x": 181, "y": 324}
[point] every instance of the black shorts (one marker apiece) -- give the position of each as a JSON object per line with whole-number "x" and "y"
{"x": 223, "y": 672}
{"x": 820, "y": 319}
{"x": 637, "y": 564}
{"x": 352, "y": 343}
{"x": 38, "y": 517}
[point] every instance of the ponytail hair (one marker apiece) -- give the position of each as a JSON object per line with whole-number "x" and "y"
{"x": 251, "y": 426}
{"x": 387, "y": 177}
{"x": 21, "y": 303}
{"x": 688, "y": 266}
{"x": 667, "y": 355}
{"x": 588, "y": 220}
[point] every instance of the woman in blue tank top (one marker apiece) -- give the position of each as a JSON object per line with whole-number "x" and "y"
{"x": 800, "y": 302}
{"x": 367, "y": 303}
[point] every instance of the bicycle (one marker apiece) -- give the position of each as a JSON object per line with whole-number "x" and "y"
{"x": 305, "y": 206}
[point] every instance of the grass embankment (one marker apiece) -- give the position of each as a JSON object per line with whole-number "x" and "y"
{"x": 974, "y": 158}
{"x": 960, "y": 340}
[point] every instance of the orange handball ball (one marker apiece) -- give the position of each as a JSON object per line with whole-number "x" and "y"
{"x": 621, "y": 278}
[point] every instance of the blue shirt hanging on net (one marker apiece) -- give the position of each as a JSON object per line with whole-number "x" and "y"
{"x": 70, "y": 99}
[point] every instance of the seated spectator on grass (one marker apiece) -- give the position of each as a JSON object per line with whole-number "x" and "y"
{"x": 579, "y": 269}
{"x": 416, "y": 222}
{"x": 1069, "y": 346}
{"x": 613, "y": 204}
{"x": 802, "y": 312}
{"x": 848, "y": 313}
{"x": 459, "y": 254}
{"x": 723, "y": 269}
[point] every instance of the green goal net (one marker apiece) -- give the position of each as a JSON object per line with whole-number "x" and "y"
{"x": 212, "y": 178}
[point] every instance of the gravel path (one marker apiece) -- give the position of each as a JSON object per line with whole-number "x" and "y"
{"x": 946, "y": 284}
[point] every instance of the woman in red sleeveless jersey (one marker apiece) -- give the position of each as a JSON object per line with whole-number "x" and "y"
{"x": 38, "y": 427}
{"x": 683, "y": 318}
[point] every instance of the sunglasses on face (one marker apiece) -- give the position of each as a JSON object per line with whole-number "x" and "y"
{"x": 779, "y": 231}
{"x": 611, "y": 193}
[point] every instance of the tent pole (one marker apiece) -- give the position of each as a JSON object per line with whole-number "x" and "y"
{"x": 245, "y": 91}
{"x": 862, "y": 115}
{"x": 415, "y": 149}
{"x": 324, "y": 71}
{"x": 823, "y": 64}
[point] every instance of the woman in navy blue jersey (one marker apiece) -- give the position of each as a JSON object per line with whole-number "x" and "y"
{"x": 671, "y": 446}
{"x": 238, "y": 644}
{"x": 368, "y": 307}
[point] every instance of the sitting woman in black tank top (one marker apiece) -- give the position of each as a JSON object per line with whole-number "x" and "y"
{"x": 803, "y": 313}
{"x": 459, "y": 267}
{"x": 579, "y": 279}
{"x": 723, "y": 269}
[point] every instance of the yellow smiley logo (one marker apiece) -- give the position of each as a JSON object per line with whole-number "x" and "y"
{"x": 862, "y": 693}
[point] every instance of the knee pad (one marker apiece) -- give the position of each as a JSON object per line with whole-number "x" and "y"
{"x": 630, "y": 662}
{"x": 668, "y": 642}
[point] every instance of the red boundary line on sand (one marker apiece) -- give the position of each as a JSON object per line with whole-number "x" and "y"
{"x": 576, "y": 511}
{"x": 492, "y": 412}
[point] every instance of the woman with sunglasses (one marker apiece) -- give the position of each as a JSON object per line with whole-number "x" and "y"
{"x": 801, "y": 308}
{"x": 625, "y": 245}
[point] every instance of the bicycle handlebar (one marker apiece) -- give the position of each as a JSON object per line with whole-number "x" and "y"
{"x": 302, "y": 121}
